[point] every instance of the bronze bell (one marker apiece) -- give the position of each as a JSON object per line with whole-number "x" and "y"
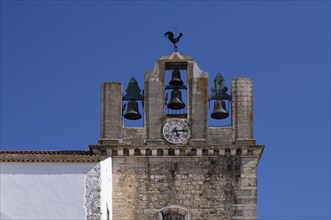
{"x": 176, "y": 79}
{"x": 176, "y": 101}
{"x": 132, "y": 112}
{"x": 219, "y": 110}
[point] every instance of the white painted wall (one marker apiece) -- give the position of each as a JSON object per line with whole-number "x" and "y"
{"x": 43, "y": 190}
{"x": 106, "y": 188}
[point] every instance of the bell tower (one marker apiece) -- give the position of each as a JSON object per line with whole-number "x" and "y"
{"x": 196, "y": 86}
{"x": 176, "y": 166}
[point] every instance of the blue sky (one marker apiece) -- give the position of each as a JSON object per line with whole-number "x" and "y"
{"x": 55, "y": 54}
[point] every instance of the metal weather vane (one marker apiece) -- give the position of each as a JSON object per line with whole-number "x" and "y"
{"x": 172, "y": 38}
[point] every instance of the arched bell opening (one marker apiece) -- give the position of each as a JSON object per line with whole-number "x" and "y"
{"x": 176, "y": 92}
{"x": 133, "y": 103}
{"x": 219, "y": 106}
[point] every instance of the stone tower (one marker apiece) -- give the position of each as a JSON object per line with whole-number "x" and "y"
{"x": 176, "y": 167}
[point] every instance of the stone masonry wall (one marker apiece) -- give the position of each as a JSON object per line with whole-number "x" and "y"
{"x": 92, "y": 193}
{"x": 220, "y": 135}
{"x": 208, "y": 187}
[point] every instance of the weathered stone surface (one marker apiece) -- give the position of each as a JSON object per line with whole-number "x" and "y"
{"x": 92, "y": 193}
{"x": 242, "y": 108}
{"x": 209, "y": 187}
{"x": 211, "y": 176}
{"x": 111, "y": 122}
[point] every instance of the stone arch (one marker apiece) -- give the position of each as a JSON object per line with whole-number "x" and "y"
{"x": 159, "y": 152}
{"x": 114, "y": 152}
{"x": 148, "y": 152}
{"x": 126, "y": 152}
{"x": 193, "y": 152}
{"x": 137, "y": 152}
{"x": 171, "y": 152}
{"x": 181, "y": 211}
{"x": 239, "y": 151}
{"x": 204, "y": 152}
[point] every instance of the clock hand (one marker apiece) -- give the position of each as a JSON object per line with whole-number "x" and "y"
{"x": 183, "y": 130}
{"x": 175, "y": 130}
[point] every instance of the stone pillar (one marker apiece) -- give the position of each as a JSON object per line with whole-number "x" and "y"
{"x": 154, "y": 102}
{"x": 197, "y": 101}
{"x": 111, "y": 122}
{"x": 242, "y": 109}
{"x": 247, "y": 189}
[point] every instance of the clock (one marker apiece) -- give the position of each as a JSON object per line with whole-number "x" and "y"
{"x": 176, "y": 131}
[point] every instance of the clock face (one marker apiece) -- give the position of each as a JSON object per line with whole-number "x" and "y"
{"x": 176, "y": 131}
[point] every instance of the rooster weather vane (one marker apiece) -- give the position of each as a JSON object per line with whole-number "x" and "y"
{"x": 172, "y": 38}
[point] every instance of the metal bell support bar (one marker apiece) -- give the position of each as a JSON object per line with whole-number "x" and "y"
{"x": 132, "y": 95}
